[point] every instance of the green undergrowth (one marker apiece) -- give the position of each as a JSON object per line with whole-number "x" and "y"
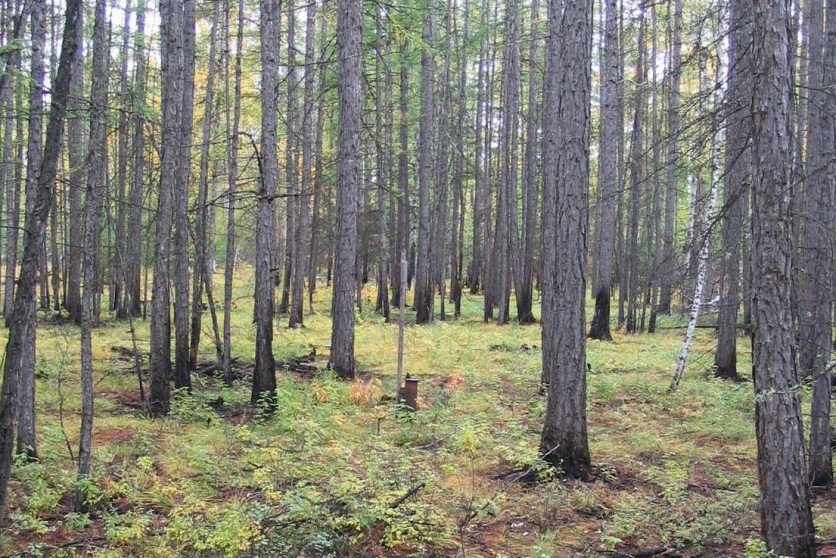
{"x": 335, "y": 472}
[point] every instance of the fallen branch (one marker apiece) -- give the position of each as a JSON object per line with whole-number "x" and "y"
{"x": 127, "y": 352}
{"x": 647, "y": 552}
{"x": 409, "y": 494}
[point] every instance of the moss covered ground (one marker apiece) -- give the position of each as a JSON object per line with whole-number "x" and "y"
{"x": 338, "y": 473}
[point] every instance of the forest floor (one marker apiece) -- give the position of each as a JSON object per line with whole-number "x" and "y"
{"x": 338, "y": 473}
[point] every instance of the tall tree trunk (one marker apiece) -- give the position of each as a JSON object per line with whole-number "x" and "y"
{"x": 13, "y": 177}
{"x": 737, "y": 178}
{"x": 26, "y": 435}
{"x": 636, "y": 183}
{"x": 229, "y": 266}
{"x": 786, "y": 519}
{"x": 389, "y": 158}
{"x": 489, "y": 234}
{"x": 304, "y": 215}
{"x": 564, "y": 441}
{"x": 817, "y": 255}
{"x": 442, "y": 167}
{"x": 610, "y": 129}
{"x": 621, "y": 248}
{"x": 364, "y": 211}
{"x": 349, "y": 74}
{"x": 363, "y": 208}
{"x": 807, "y": 296}
{"x": 382, "y": 166}
{"x": 201, "y": 264}
{"x": 8, "y": 182}
{"x": 55, "y": 255}
{"x": 475, "y": 275}
{"x": 171, "y": 19}
{"x": 23, "y": 315}
{"x": 95, "y": 190}
{"x": 319, "y": 179}
{"x": 403, "y": 176}
{"x": 424, "y": 295}
{"x": 133, "y": 253}
{"x": 264, "y": 375}
{"x": 456, "y": 248}
{"x": 506, "y": 219}
{"x": 182, "y": 377}
{"x": 491, "y": 110}
{"x": 669, "y": 258}
{"x": 118, "y": 276}
{"x": 291, "y": 166}
{"x": 525, "y": 251}
{"x": 654, "y": 244}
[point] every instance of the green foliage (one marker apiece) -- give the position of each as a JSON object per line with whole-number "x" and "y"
{"x": 43, "y": 495}
{"x": 756, "y": 548}
{"x": 127, "y": 529}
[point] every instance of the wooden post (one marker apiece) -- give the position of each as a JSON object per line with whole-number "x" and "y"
{"x": 410, "y": 393}
{"x": 401, "y": 324}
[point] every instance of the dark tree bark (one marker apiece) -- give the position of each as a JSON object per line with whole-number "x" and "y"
{"x": 364, "y": 205}
{"x": 301, "y": 234}
{"x": 182, "y": 377}
{"x": 610, "y": 129}
{"x": 403, "y": 176}
{"x": 133, "y": 253}
{"x": 264, "y": 375}
{"x": 438, "y": 243}
{"x": 655, "y": 216}
{"x": 363, "y": 208}
{"x": 620, "y": 217}
{"x": 26, "y": 435}
{"x": 54, "y": 269}
{"x": 382, "y": 179}
{"x": 807, "y": 296}
{"x": 636, "y": 183}
{"x": 564, "y": 441}
{"x": 96, "y": 182}
{"x": 117, "y": 272}
{"x": 8, "y": 171}
{"x": 491, "y": 171}
{"x": 456, "y": 244}
{"x": 319, "y": 179}
{"x": 668, "y": 257}
{"x": 475, "y": 273}
{"x": 786, "y": 519}
{"x": 525, "y": 251}
{"x": 171, "y": 18}
{"x": 349, "y": 73}
{"x": 14, "y": 176}
{"x": 737, "y": 180}
{"x": 489, "y": 275}
{"x": 291, "y": 166}
{"x": 424, "y": 296}
{"x": 23, "y": 315}
{"x": 506, "y": 211}
{"x": 201, "y": 258}
{"x": 817, "y": 255}
{"x": 233, "y": 143}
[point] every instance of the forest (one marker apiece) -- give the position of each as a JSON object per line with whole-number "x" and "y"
{"x": 419, "y": 278}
